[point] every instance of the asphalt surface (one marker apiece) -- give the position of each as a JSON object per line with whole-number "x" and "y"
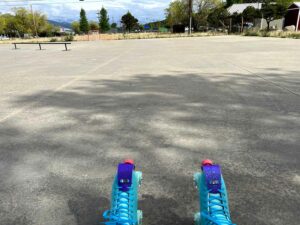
{"x": 68, "y": 118}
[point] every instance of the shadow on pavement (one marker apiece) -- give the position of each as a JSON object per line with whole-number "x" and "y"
{"x": 67, "y": 156}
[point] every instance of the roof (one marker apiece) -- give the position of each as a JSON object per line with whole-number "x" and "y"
{"x": 296, "y": 3}
{"x": 239, "y": 8}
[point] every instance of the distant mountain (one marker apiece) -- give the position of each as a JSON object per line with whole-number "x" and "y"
{"x": 60, "y": 24}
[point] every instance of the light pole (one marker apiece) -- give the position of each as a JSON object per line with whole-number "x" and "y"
{"x": 34, "y": 22}
{"x": 190, "y": 16}
{"x": 98, "y": 13}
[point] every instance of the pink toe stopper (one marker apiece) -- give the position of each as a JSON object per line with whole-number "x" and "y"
{"x": 207, "y": 162}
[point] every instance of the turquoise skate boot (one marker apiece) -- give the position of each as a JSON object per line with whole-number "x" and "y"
{"x": 214, "y": 208}
{"x": 124, "y": 198}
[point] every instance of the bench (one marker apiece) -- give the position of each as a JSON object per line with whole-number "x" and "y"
{"x": 42, "y": 43}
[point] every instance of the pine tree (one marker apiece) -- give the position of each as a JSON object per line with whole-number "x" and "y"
{"x": 103, "y": 21}
{"x": 114, "y": 25}
{"x": 83, "y": 22}
{"x": 129, "y": 21}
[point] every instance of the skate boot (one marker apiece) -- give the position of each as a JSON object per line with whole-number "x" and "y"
{"x": 124, "y": 198}
{"x": 214, "y": 209}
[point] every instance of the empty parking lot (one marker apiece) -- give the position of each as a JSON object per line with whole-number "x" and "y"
{"x": 68, "y": 118}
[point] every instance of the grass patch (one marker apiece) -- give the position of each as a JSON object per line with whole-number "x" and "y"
{"x": 295, "y": 35}
{"x": 253, "y": 33}
{"x": 119, "y": 36}
{"x": 127, "y": 36}
{"x": 278, "y": 34}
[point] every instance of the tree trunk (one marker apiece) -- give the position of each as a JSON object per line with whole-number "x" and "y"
{"x": 268, "y": 25}
{"x": 242, "y": 27}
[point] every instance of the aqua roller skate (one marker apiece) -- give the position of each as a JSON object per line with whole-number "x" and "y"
{"x": 124, "y": 198}
{"x": 214, "y": 209}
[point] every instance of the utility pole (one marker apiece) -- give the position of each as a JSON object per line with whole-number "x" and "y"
{"x": 98, "y": 13}
{"x": 34, "y": 23}
{"x": 190, "y": 16}
{"x": 298, "y": 20}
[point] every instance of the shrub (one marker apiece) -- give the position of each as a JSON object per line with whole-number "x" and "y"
{"x": 69, "y": 37}
{"x": 294, "y": 35}
{"x": 251, "y": 33}
{"x": 53, "y": 40}
{"x": 265, "y": 33}
{"x": 277, "y": 34}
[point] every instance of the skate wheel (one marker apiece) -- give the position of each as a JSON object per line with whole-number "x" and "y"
{"x": 129, "y": 161}
{"x": 196, "y": 179}
{"x": 139, "y": 177}
{"x": 139, "y": 216}
{"x": 197, "y": 219}
{"x": 207, "y": 162}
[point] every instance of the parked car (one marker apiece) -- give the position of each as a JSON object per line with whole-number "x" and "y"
{"x": 248, "y": 25}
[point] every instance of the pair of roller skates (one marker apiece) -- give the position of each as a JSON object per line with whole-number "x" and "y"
{"x": 212, "y": 196}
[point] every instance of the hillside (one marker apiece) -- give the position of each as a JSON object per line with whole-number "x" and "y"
{"x": 60, "y": 24}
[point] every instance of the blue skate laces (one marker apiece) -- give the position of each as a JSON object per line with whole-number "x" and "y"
{"x": 122, "y": 208}
{"x": 122, "y": 211}
{"x": 218, "y": 212}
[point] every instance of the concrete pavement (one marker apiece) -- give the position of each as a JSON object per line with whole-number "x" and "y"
{"x": 68, "y": 118}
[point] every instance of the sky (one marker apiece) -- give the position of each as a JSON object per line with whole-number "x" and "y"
{"x": 68, "y": 10}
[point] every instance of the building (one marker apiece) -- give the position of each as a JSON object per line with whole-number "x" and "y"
{"x": 64, "y": 30}
{"x": 258, "y": 23}
{"x": 292, "y": 17}
{"x": 240, "y": 7}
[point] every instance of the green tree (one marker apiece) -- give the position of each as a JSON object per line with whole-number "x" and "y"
{"x": 94, "y": 25}
{"x": 129, "y": 21}
{"x": 75, "y": 27}
{"x": 250, "y": 14}
{"x": 202, "y": 9}
{"x": 272, "y": 11}
{"x": 177, "y": 13}
{"x": 48, "y": 30}
{"x": 231, "y": 2}
{"x": 103, "y": 21}
{"x": 25, "y": 22}
{"x": 10, "y": 25}
{"x": 2, "y": 24}
{"x": 285, "y": 3}
{"x": 141, "y": 27}
{"x": 22, "y": 21}
{"x": 83, "y": 22}
{"x": 113, "y": 25}
{"x": 217, "y": 17}
{"x": 39, "y": 22}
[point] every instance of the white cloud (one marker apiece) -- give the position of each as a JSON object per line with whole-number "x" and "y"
{"x": 144, "y": 10}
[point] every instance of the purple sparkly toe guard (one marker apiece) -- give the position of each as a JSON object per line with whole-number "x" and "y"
{"x": 213, "y": 177}
{"x": 125, "y": 171}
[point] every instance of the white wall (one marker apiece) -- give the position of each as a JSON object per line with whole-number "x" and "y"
{"x": 262, "y": 23}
